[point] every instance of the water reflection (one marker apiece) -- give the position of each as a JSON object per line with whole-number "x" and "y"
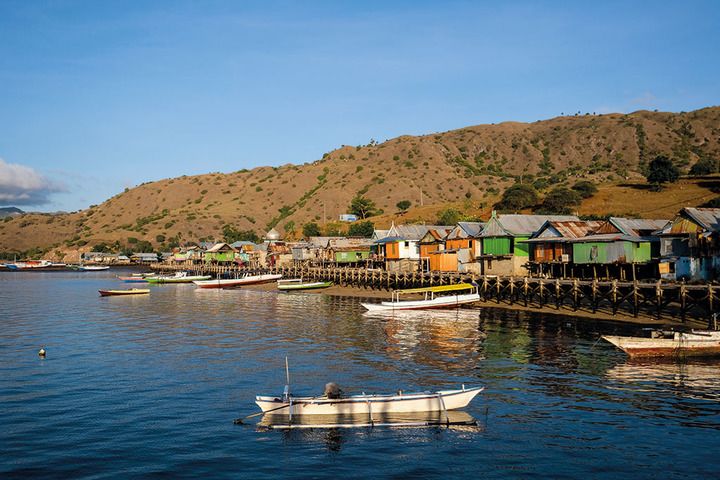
{"x": 698, "y": 380}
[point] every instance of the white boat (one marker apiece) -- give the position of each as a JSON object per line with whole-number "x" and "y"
{"x": 444, "y": 296}
{"x": 400, "y": 402}
{"x": 298, "y": 284}
{"x": 92, "y": 268}
{"x": 32, "y": 264}
{"x": 236, "y": 282}
{"x": 179, "y": 277}
{"x": 695, "y": 343}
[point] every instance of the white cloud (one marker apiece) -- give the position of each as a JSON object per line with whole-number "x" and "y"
{"x": 21, "y": 185}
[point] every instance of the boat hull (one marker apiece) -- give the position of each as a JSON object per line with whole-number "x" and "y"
{"x": 418, "y": 419}
{"x": 134, "y": 291}
{"x": 446, "y": 301}
{"x": 303, "y": 286}
{"x": 237, "y": 282}
{"x": 691, "y": 344}
{"x": 375, "y": 404}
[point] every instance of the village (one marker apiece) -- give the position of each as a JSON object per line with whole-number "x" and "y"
{"x": 685, "y": 248}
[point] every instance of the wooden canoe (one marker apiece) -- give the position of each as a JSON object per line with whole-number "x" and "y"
{"x": 132, "y": 291}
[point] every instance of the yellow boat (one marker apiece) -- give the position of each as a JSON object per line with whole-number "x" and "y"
{"x": 132, "y": 291}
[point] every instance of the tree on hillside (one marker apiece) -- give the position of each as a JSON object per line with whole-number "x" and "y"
{"x": 362, "y": 206}
{"x": 311, "y": 230}
{"x": 403, "y": 205}
{"x": 585, "y": 188}
{"x": 361, "y": 229}
{"x": 232, "y": 235}
{"x": 449, "y": 216}
{"x": 289, "y": 228}
{"x": 560, "y": 200}
{"x": 704, "y": 166}
{"x": 662, "y": 170}
{"x": 517, "y": 197}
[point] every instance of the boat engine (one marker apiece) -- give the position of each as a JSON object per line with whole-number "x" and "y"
{"x": 332, "y": 390}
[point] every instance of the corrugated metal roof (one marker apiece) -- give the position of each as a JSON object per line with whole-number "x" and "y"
{"x": 466, "y": 230}
{"x": 343, "y": 242}
{"x": 318, "y": 242}
{"x": 219, "y": 247}
{"x": 516, "y": 224}
{"x": 412, "y": 232}
{"x": 709, "y": 218}
{"x": 560, "y": 231}
{"x": 637, "y": 226}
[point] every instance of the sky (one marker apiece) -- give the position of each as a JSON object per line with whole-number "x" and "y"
{"x": 97, "y": 96}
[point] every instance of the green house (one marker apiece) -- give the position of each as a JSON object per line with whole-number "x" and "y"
{"x": 504, "y": 250}
{"x": 349, "y": 250}
{"x": 221, "y": 253}
{"x": 611, "y": 248}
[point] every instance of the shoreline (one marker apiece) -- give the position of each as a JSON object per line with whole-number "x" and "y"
{"x": 604, "y": 315}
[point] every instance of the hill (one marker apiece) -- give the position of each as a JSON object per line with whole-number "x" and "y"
{"x": 468, "y": 168}
{"x": 10, "y": 211}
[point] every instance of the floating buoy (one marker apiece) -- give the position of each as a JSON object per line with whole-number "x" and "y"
{"x": 41, "y": 353}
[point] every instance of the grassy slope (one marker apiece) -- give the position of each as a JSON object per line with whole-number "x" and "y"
{"x": 467, "y": 168}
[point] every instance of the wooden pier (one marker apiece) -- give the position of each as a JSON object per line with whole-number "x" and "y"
{"x": 660, "y": 300}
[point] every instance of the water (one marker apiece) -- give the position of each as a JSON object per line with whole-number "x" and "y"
{"x": 148, "y": 386}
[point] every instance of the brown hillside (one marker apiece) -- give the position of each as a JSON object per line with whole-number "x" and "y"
{"x": 469, "y": 168}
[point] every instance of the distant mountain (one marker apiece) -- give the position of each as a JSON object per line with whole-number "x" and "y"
{"x": 468, "y": 168}
{"x": 8, "y": 211}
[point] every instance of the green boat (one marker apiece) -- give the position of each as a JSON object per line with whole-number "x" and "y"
{"x": 180, "y": 277}
{"x": 298, "y": 284}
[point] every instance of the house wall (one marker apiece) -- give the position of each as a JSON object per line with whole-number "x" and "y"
{"x": 219, "y": 256}
{"x": 496, "y": 246}
{"x": 611, "y": 252}
{"x": 351, "y": 256}
{"x": 514, "y": 266}
{"x": 427, "y": 248}
{"x": 443, "y": 262}
{"x": 392, "y": 250}
{"x": 521, "y": 249}
{"x": 402, "y": 265}
{"x": 549, "y": 252}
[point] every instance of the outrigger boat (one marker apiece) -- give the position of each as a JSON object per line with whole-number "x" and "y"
{"x": 132, "y": 291}
{"x": 369, "y": 407}
{"x": 444, "y": 296}
{"x": 695, "y": 343}
{"x": 298, "y": 284}
{"x": 452, "y": 418}
{"x": 236, "y": 282}
{"x": 179, "y": 277}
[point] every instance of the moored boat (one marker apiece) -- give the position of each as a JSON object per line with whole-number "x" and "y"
{"x": 695, "y": 343}
{"x": 444, "y": 296}
{"x": 179, "y": 277}
{"x": 399, "y": 402}
{"x": 92, "y": 268}
{"x": 33, "y": 265}
{"x": 132, "y": 279}
{"x": 298, "y": 284}
{"x": 132, "y": 291}
{"x": 236, "y": 282}
{"x": 452, "y": 418}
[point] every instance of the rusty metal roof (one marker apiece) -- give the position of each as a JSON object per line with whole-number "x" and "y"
{"x": 708, "y": 218}
{"x": 563, "y": 230}
{"x": 466, "y": 230}
{"x": 344, "y": 242}
{"x": 638, "y": 227}
{"x": 412, "y": 232}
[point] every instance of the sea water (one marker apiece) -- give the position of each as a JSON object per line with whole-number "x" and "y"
{"x": 148, "y": 386}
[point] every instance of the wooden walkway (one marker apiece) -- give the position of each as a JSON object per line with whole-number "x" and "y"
{"x": 660, "y": 300}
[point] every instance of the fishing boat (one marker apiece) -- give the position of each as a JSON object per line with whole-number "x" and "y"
{"x": 399, "y": 402}
{"x": 33, "y": 265}
{"x": 132, "y": 291}
{"x": 662, "y": 343}
{"x": 132, "y": 279}
{"x": 92, "y": 268}
{"x": 293, "y": 284}
{"x": 444, "y": 296}
{"x": 179, "y": 277}
{"x": 236, "y": 282}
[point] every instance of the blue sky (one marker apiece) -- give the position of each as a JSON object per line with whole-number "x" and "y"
{"x": 99, "y": 96}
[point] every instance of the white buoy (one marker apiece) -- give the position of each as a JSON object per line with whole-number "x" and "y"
{"x": 41, "y": 353}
